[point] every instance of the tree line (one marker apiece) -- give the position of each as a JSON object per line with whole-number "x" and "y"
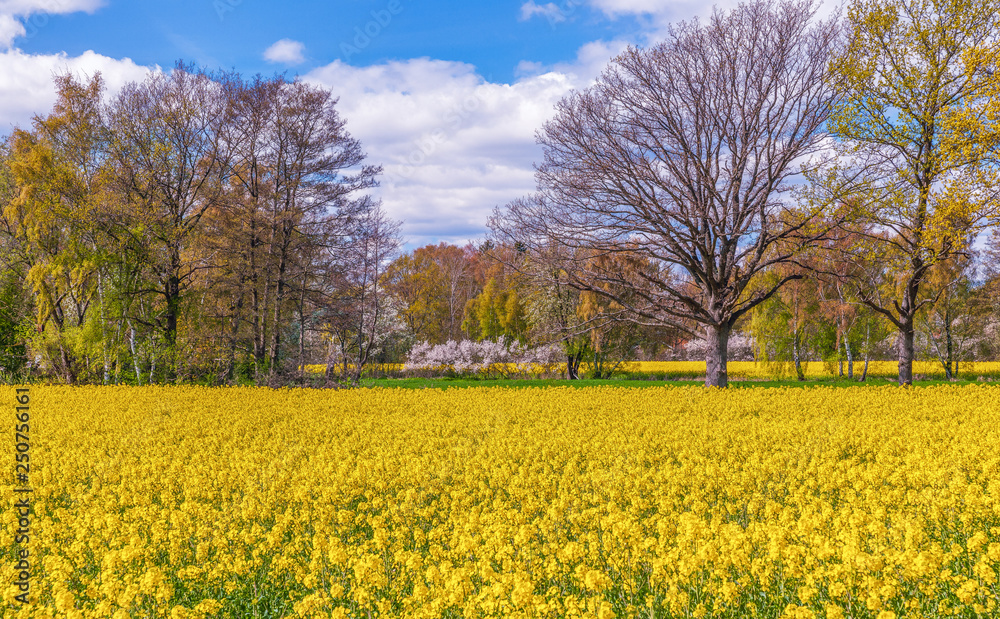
{"x": 194, "y": 224}
{"x": 823, "y": 186}
{"x": 764, "y": 147}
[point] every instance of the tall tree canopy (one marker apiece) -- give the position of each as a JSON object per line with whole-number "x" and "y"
{"x": 918, "y": 129}
{"x": 191, "y": 216}
{"x": 681, "y": 154}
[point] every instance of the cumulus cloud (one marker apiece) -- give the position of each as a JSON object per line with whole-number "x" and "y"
{"x": 549, "y": 11}
{"x": 285, "y": 51}
{"x": 591, "y": 59}
{"x": 22, "y": 18}
{"x": 452, "y": 144}
{"x": 27, "y": 89}
{"x": 10, "y": 29}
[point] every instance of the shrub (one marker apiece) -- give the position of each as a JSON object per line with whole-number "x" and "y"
{"x": 485, "y": 359}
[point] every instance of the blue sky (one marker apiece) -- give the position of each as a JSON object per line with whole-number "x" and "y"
{"x": 492, "y": 36}
{"x": 445, "y": 95}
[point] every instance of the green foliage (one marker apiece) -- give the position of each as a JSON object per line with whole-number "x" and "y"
{"x": 419, "y": 283}
{"x": 14, "y": 308}
{"x": 784, "y": 327}
{"x": 496, "y": 313}
{"x": 917, "y": 128}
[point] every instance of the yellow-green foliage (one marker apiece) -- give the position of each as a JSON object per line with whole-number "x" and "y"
{"x": 866, "y": 502}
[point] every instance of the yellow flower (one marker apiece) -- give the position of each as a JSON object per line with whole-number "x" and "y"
{"x": 967, "y": 591}
{"x": 457, "y": 502}
{"x": 834, "y": 612}
{"x": 593, "y": 580}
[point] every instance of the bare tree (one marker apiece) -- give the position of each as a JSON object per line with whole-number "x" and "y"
{"x": 313, "y": 154}
{"x": 682, "y": 154}
{"x": 289, "y": 191}
{"x": 359, "y": 315}
{"x": 241, "y": 237}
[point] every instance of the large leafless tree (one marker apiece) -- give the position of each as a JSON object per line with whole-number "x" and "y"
{"x": 683, "y": 155}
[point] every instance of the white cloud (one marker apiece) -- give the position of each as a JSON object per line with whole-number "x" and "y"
{"x": 452, "y": 144}
{"x": 27, "y": 89}
{"x": 591, "y": 59}
{"x": 549, "y": 11}
{"x": 640, "y": 7}
{"x": 285, "y": 51}
{"x": 658, "y": 14}
{"x": 10, "y": 29}
{"x": 23, "y": 18}
{"x": 527, "y": 68}
{"x": 27, "y": 7}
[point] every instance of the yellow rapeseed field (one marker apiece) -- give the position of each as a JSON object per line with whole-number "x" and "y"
{"x": 182, "y": 502}
{"x": 751, "y": 370}
{"x": 313, "y": 368}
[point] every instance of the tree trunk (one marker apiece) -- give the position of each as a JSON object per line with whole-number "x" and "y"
{"x": 229, "y": 373}
{"x": 597, "y": 366}
{"x": 840, "y": 359}
{"x": 67, "y": 362}
{"x": 572, "y": 367}
{"x": 279, "y": 297}
{"x": 135, "y": 357}
{"x": 906, "y": 354}
{"x": 797, "y": 357}
{"x": 868, "y": 339}
{"x": 716, "y": 355}
{"x": 797, "y": 341}
{"x": 850, "y": 357}
{"x": 104, "y": 333}
{"x": 302, "y": 330}
{"x": 342, "y": 339}
{"x": 949, "y": 347}
{"x": 331, "y": 360}
{"x": 172, "y": 290}
{"x": 356, "y": 369}
{"x": 236, "y": 307}
{"x": 258, "y": 303}
{"x": 258, "y": 332}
